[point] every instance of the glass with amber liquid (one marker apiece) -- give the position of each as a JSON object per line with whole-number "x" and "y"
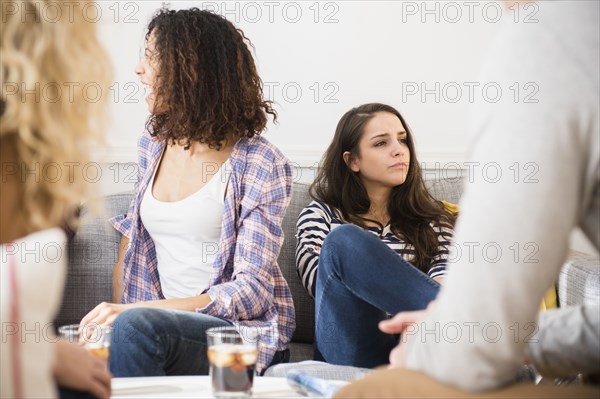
{"x": 94, "y": 338}
{"x": 232, "y": 362}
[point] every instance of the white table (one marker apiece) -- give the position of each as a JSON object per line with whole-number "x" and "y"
{"x": 193, "y": 387}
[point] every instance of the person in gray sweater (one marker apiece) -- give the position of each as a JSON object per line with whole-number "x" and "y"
{"x": 537, "y": 176}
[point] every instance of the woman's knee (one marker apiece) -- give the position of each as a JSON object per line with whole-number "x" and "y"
{"x": 136, "y": 321}
{"x": 340, "y": 242}
{"x": 347, "y": 235}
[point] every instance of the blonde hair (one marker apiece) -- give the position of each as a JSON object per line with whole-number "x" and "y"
{"x": 52, "y": 69}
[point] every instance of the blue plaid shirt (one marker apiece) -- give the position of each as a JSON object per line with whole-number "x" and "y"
{"x": 246, "y": 285}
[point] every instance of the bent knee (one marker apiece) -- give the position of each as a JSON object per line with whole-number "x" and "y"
{"x": 347, "y": 235}
{"x": 138, "y": 319}
{"x": 337, "y": 246}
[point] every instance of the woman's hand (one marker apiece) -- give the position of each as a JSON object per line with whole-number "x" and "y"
{"x": 104, "y": 314}
{"x": 75, "y": 368}
{"x": 397, "y": 325}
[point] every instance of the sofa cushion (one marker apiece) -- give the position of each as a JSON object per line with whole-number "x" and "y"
{"x": 579, "y": 280}
{"x": 303, "y": 303}
{"x": 449, "y": 190}
{"x": 300, "y": 351}
{"x": 92, "y": 256}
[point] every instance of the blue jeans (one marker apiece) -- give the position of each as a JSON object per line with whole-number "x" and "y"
{"x": 360, "y": 281}
{"x": 159, "y": 342}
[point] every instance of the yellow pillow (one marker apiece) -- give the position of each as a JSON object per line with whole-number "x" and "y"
{"x": 450, "y": 207}
{"x": 550, "y": 300}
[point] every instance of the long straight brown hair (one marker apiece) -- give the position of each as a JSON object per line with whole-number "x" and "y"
{"x": 412, "y": 209}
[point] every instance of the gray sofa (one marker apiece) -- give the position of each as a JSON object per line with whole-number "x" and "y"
{"x": 93, "y": 253}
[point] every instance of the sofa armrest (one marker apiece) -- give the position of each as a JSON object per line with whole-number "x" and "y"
{"x": 579, "y": 280}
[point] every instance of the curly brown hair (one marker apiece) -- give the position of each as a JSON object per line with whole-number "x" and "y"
{"x": 206, "y": 78}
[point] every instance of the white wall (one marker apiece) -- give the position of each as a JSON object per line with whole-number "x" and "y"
{"x": 318, "y": 59}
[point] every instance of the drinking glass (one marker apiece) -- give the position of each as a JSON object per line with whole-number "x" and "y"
{"x": 94, "y": 338}
{"x": 232, "y": 359}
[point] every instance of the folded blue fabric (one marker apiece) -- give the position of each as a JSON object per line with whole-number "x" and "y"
{"x": 311, "y": 386}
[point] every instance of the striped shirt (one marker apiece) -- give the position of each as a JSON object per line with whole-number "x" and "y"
{"x": 318, "y": 219}
{"x": 246, "y": 286}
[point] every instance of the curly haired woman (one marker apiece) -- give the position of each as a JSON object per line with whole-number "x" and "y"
{"x": 203, "y": 232}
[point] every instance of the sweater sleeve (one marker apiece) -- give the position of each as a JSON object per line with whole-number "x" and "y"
{"x": 565, "y": 341}
{"x": 314, "y": 223}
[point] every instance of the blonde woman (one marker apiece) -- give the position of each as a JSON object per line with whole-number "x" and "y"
{"x": 44, "y": 131}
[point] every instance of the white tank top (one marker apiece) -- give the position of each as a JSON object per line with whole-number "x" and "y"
{"x": 186, "y": 235}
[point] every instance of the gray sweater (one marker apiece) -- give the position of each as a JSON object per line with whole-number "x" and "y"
{"x": 536, "y": 176}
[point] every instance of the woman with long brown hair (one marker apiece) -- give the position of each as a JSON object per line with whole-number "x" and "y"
{"x": 203, "y": 232}
{"x": 373, "y": 241}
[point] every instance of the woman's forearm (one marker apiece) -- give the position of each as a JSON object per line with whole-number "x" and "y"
{"x": 117, "y": 277}
{"x": 191, "y": 303}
